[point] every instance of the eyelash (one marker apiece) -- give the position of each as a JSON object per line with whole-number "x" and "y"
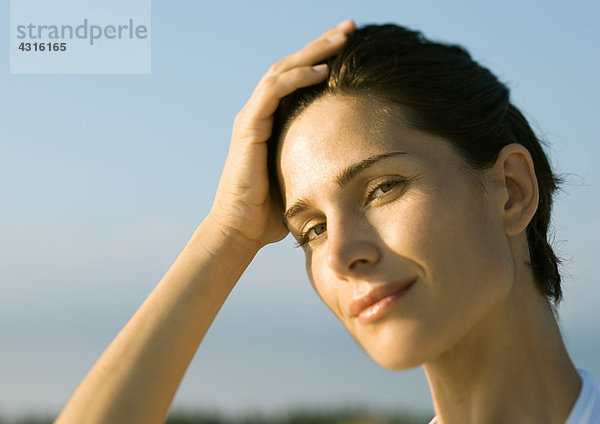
{"x": 303, "y": 237}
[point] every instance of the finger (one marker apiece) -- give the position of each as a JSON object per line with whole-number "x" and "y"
{"x": 319, "y": 49}
{"x": 268, "y": 93}
{"x": 323, "y": 47}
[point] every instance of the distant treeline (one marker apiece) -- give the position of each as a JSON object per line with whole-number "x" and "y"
{"x": 304, "y": 416}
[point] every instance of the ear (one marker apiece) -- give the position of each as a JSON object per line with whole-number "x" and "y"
{"x": 514, "y": 168}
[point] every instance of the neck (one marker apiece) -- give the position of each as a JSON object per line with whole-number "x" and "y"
{"x": 511, "y": 367}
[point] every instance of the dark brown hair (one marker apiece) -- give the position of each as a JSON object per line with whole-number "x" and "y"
{"x": 442, "y": 91}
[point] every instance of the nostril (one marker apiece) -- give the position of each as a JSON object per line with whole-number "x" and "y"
{"x": 353, "y": 264}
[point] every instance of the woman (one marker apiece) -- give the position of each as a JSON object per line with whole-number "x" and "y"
{"x": 421, "y": 199}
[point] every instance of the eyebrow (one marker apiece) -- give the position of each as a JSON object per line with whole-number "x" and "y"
{"x": 347, "y": 175}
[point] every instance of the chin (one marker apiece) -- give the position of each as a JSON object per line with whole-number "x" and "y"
{"x": 396, "y": 361}
{"x": 391, "y": 351}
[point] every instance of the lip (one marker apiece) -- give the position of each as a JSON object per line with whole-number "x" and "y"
{"x": 378, "y": 301}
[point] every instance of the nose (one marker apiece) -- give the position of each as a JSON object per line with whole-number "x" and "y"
{"x": 352, "y": 249}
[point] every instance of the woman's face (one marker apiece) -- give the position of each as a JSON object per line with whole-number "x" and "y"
{"x": 402, "y": 243}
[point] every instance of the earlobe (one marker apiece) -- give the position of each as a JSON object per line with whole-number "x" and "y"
{"x": 515, "y": 165}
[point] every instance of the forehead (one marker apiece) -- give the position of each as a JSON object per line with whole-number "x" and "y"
{"x": 332, "y": 134}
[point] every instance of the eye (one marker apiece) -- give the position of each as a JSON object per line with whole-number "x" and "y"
{"x": 316, "y": 230}
{"x": 312, "y": 233}
{"x": 382, "y": 188}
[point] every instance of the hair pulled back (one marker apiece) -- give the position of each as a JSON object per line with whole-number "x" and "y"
{"x": 443, "y": 91}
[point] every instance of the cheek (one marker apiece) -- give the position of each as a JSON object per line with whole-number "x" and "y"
{"x": 459, "y": 243}
{"x": 332, "y": 291}
{"x": 458, "y": 249}
{"x": 446, "y": 230}
{"x": 323, "y": 282}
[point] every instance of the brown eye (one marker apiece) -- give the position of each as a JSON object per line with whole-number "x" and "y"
{"x": 387, "y": 186}
{"x": 317, "y": 229}
{"x": 308, "y": 236}
{"x": 382, "y": 189}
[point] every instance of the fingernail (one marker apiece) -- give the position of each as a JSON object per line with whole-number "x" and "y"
{"x": 320, "y": 67}
{"x": 344, "y": 23}
{"x": 335, "y": 37}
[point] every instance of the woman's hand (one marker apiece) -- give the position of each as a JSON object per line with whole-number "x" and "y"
{"x": 243, "y": 207}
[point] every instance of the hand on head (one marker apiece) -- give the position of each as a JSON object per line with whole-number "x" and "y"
{"x": 243, "y": 206}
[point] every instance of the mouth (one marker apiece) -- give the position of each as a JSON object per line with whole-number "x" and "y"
{"x": 378, "y": 301}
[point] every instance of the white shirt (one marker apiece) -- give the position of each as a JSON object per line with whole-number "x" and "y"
{"x": 587, "y": 407}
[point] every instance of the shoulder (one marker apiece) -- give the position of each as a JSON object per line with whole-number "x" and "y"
{"x": 587, "y": 407}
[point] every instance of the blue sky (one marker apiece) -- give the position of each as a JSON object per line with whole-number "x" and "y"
{"x": 103, "y": 178}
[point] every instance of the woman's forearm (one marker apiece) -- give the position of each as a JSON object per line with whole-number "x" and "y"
{"x": 136, "y": 378}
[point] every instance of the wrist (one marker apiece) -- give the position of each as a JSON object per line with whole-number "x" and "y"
{"x": 215, "y": 236}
